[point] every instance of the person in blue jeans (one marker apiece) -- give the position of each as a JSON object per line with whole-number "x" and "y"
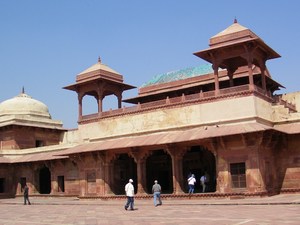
{"x": 129, "y": 190}
{"x": 156, "y": 190}
{"x": 191, "y": 183}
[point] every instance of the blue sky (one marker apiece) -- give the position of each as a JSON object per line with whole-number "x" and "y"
{"x": 45, "y": 44}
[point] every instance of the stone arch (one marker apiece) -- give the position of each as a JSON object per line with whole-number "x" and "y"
{"x": 159, "y": 167}
{"x": 44, "y": 180}
{"x": 124, "y": 168}
{"x": 198, "y": 161}
{"x": 89, "y": 104}
{"x": 110, "y": 102}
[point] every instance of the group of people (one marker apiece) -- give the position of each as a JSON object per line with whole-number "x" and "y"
{"x": 129, "y": 190}
{"x": 204, "y": 179}
{"x": 156, "y": 190}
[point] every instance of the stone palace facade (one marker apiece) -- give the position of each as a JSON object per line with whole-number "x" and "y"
{"x": 223, "y": 119}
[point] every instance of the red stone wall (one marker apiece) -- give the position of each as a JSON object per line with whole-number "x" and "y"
{"x": 16, "y": 137}
{"x": 289, "y": 159}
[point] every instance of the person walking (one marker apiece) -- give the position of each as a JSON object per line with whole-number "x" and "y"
{"x": 191, "y": 183}
{"x": 156, "y": 190}
{"x": 203, "y": 182}
{"x": 26, "y": 195}
{"x": 129, "y": 190}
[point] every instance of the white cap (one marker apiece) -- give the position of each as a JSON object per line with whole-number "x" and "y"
{"x": 130, "y": 180}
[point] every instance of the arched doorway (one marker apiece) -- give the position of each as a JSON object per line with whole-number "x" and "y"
{"x": 124, "y": 169}
{"x": 45, "y": 180}
{"x": 159, "y": 167}
{"x": 198, "y": 161}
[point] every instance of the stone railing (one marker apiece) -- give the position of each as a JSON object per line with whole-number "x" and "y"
{"x": 185, "y": 99}
{"x": 279, "y": 101}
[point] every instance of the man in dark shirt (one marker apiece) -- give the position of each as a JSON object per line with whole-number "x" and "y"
{"x": 26, "y": 199}
{"x": 156, "y": 189}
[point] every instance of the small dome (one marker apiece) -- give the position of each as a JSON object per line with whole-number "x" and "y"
{"x": 23, "y": 104}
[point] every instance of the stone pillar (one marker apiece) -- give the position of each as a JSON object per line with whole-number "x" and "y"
{"x": 107, "y": 189}
{"x": 100, "y": 181}
{"x": 141, "y": 176}
{"x": 230, "y": 72}
{"x": 53, "y": 177}
{"x": 100, "y": 97}
{"x": 108, "y": 172}
{"x": 216, "y": 75}
{"x": 250, "y": 72}
{"x": 78, "y": 159}
{"x": 249, "y": 48}
{"x": 139, "y": 157}
{"x": 119, "y": 96}
{"x": 13, "y": 181}
{"x": 100, "y": 105}
{"x": 176, "y": 155}
{"x": 262, "y": 66}
{"x": 82, "y": 183}
{"x": 35, "y": 178}
{"x": 216, "y": 61}
{"x": 80, "y": 97}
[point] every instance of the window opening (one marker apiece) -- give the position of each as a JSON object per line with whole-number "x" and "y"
{"x": 238, "y": 175}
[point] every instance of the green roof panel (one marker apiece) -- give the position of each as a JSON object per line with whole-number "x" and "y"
{"x": 180, "y": 74}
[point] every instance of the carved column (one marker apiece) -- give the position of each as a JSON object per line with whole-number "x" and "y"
{"x": 108, "y": 167}
{"x": 176, "y": 154}
{"x": 119, "y": 96}
{"x": 249, "y": 48}
{"x": 100, "y": 104}
{"x": 215, "y": 145}
{"x": 13, "y": 181}
{"x": 100, "y": 158}
{"x": 262, "y": 66}
{"x": 80, "y": 97}
{"x": 54, "y": 184}
{"x": 215, "y": 67}
{"x": 139, "y": 157}
{"x": 79, "y": 160}
{"x": 100, "y": 97}
{"x": 216, "y": 75}
{"x": 35, "y": 179}
{"x": 250, "y": 72}
{"x": 230, "y": 72}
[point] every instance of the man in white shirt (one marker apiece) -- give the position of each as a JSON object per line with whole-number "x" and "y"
{"x": 191, "y": 183}
{"x": 129, "y": 190}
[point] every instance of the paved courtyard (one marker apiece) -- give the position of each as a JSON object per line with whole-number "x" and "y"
{"x": 280, "y": 209}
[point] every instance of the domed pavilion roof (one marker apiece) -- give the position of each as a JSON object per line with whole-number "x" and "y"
{"x": 24, "y": 110}
{"x": 23, "y": 104}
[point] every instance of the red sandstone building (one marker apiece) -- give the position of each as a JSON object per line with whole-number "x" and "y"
{"x": 224, "y": 119}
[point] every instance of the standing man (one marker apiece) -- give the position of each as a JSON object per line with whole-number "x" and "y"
{"x": 191, "y": 183}
{"x": 203, "y": 182}
{"x": 26, "y": 194}
{"x": 156, "y": 189}
{"x": 129, "y": 190}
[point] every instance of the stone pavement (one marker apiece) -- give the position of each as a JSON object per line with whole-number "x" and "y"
{"x": 278, "y": 209}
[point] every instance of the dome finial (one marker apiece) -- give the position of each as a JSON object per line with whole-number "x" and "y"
{"x": 235, "y": 20}
{"x": 23, "y": 90}
{"x": 99, "y": 59}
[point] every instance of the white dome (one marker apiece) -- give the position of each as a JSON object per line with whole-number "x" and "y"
{"x": 23, "y": 104}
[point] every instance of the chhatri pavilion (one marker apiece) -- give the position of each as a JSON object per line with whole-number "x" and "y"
{"x": 223, "y": 119}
